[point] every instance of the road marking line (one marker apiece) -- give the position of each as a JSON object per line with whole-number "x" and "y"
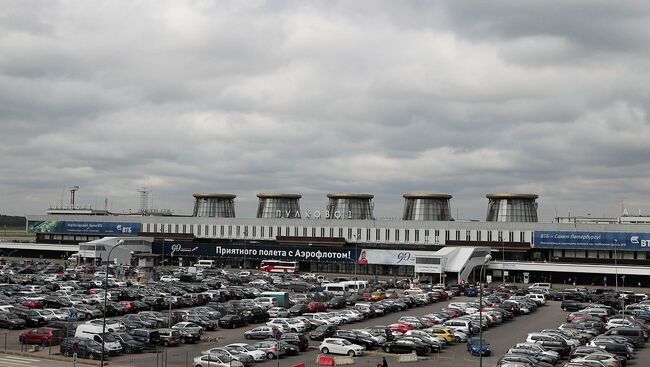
{"x": 19, "y": 358}
{"x": 13, "y": 363}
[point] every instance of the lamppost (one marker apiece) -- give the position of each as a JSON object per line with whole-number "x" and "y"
{"x": 616, "y": 265}
{"x": 487, "y": 259}
{"x": 119, "y": 243}
{"x": 356, "y": 254}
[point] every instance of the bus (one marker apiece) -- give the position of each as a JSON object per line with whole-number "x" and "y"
{"x": 277, "y": 266}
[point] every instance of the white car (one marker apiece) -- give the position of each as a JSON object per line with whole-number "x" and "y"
{"x": 258, "y": 282}
{"x": 169, "y": 278}
{"x": 244, "y": 348}
{"x": 288, "y": 324}
{"x": 211, "y": 360}
{"x": 278, "y": 312}
{"x": 47, "y": 315}
{"x": 340, "y": 346}
{"x": 618, "y": 323}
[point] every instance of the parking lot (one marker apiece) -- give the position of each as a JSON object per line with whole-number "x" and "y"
{"x": 501, "y": 337}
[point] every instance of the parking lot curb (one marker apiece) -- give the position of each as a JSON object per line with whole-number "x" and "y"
{"x": 54, "y": 358}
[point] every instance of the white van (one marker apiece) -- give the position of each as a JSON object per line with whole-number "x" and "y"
{"x": 94, "y": 332}
{"x": 546, "y": 286}
{"x": 461, "y": 325}
{"x": 205, "y": 264}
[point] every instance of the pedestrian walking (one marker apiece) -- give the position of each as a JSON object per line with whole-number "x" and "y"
{"x": 384, "y": 362}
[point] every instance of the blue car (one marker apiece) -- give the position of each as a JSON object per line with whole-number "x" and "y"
{"x": 474, "y": 346}
{"x": 471, "y": 292}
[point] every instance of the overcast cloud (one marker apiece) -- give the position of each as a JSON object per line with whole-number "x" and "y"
{"x": 384, "y": 97}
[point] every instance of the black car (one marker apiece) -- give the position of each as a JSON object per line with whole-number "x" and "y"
{"x": 129, "y": 344}
{"x": 406, "y": 346}
{"x": 31, "y": 317}
{"x": 85, "y": 348}
{"x": 352, "y": 299}
{"x": 356, "y": 338}
{"x": 150, "y": 338}
{"x": 298, "y": 309}
{"x": 336, "y": 302}
{"x": 322, "y": 332}
{"x": 253, "y": 315}
{"x": 297, "y": 339}
{"x": 232, "y": 321}
{"x": 11, "y": 321}
{"x": 291, "y": 350}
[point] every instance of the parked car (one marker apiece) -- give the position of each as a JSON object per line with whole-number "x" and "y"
{"x": 44, "y": 336}
{"x": 322, "y": 332}
{"x": 477, "y": 346}
{"x": 340, "y": 346}
{"x": 213, "y": 360}
{"x": 85, "y": 348}
{"x": 232, "y": 321}
{"x": 406, "y": 346}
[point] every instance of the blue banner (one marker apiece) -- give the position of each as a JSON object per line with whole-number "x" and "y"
{"x": 76, "y": 227}
{"x": 592, "y": 240}
{"x": 256, "y": 251}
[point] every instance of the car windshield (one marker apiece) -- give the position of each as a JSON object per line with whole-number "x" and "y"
{"x": 126, "y": 337}
{"x": 346, "y": 342}
{"x": 321, "y": 328}
{"x": 109, "y": 338}
{"x": 479, "y": 341}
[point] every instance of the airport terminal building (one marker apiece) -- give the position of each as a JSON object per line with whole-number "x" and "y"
{"x": 346, "y": 236}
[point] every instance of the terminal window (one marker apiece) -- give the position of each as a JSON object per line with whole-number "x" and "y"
{"x": 427, "y": 260}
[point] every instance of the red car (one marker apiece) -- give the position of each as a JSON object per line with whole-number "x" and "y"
{"x": 129, "y": 306}
{"x": 44, "y": 336}
{"x": 316, "y": 307}
{"x": 454, "y": 312}
{"x": 400, "y": 327}
{"x": 33, "y": 304}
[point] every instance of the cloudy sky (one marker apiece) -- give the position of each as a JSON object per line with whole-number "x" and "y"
{"x": 384, "y": 97}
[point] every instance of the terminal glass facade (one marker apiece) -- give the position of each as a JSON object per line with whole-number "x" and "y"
{"x": 426, "y": 209}
{"x": 512, "y": 210}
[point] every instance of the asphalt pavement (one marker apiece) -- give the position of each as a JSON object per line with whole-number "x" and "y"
{"x": 500, "y": 337}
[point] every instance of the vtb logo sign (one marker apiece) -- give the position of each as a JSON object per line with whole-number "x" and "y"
{"x": 636, "y": 240}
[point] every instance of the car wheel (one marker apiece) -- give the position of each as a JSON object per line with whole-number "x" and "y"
{"x": 351, "y": 353}
{"x": 11, "y": 327}
{"x": 89, "y": 316}
{"x": 91, "y": 356}
{"x": 457, "y": 339}
{"x": 270, "y": 355}
{"x": 325, "y": 351}
{"x": 387, "y": 349}
{"x": 247, "y": 336}
{"x": 294, "y": 330}
{"x": 183, "y": 340}
{"x": 165, "y": 343}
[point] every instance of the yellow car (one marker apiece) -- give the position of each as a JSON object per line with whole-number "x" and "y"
{"x": 378, "y": 296}
{"x": 443, "y": 332}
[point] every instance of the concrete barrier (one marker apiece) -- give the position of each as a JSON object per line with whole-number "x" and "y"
{"x": 325, "y": 360}
{"x": 342, "y": 361}
{"x": 405, "y": 358}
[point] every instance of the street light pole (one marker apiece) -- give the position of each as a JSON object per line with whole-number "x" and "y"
{"x": 119, "y": 243}
{"x": 356, "y": 255}
{"x": 616, "y": 265}
{"x": 487, "y": 259}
